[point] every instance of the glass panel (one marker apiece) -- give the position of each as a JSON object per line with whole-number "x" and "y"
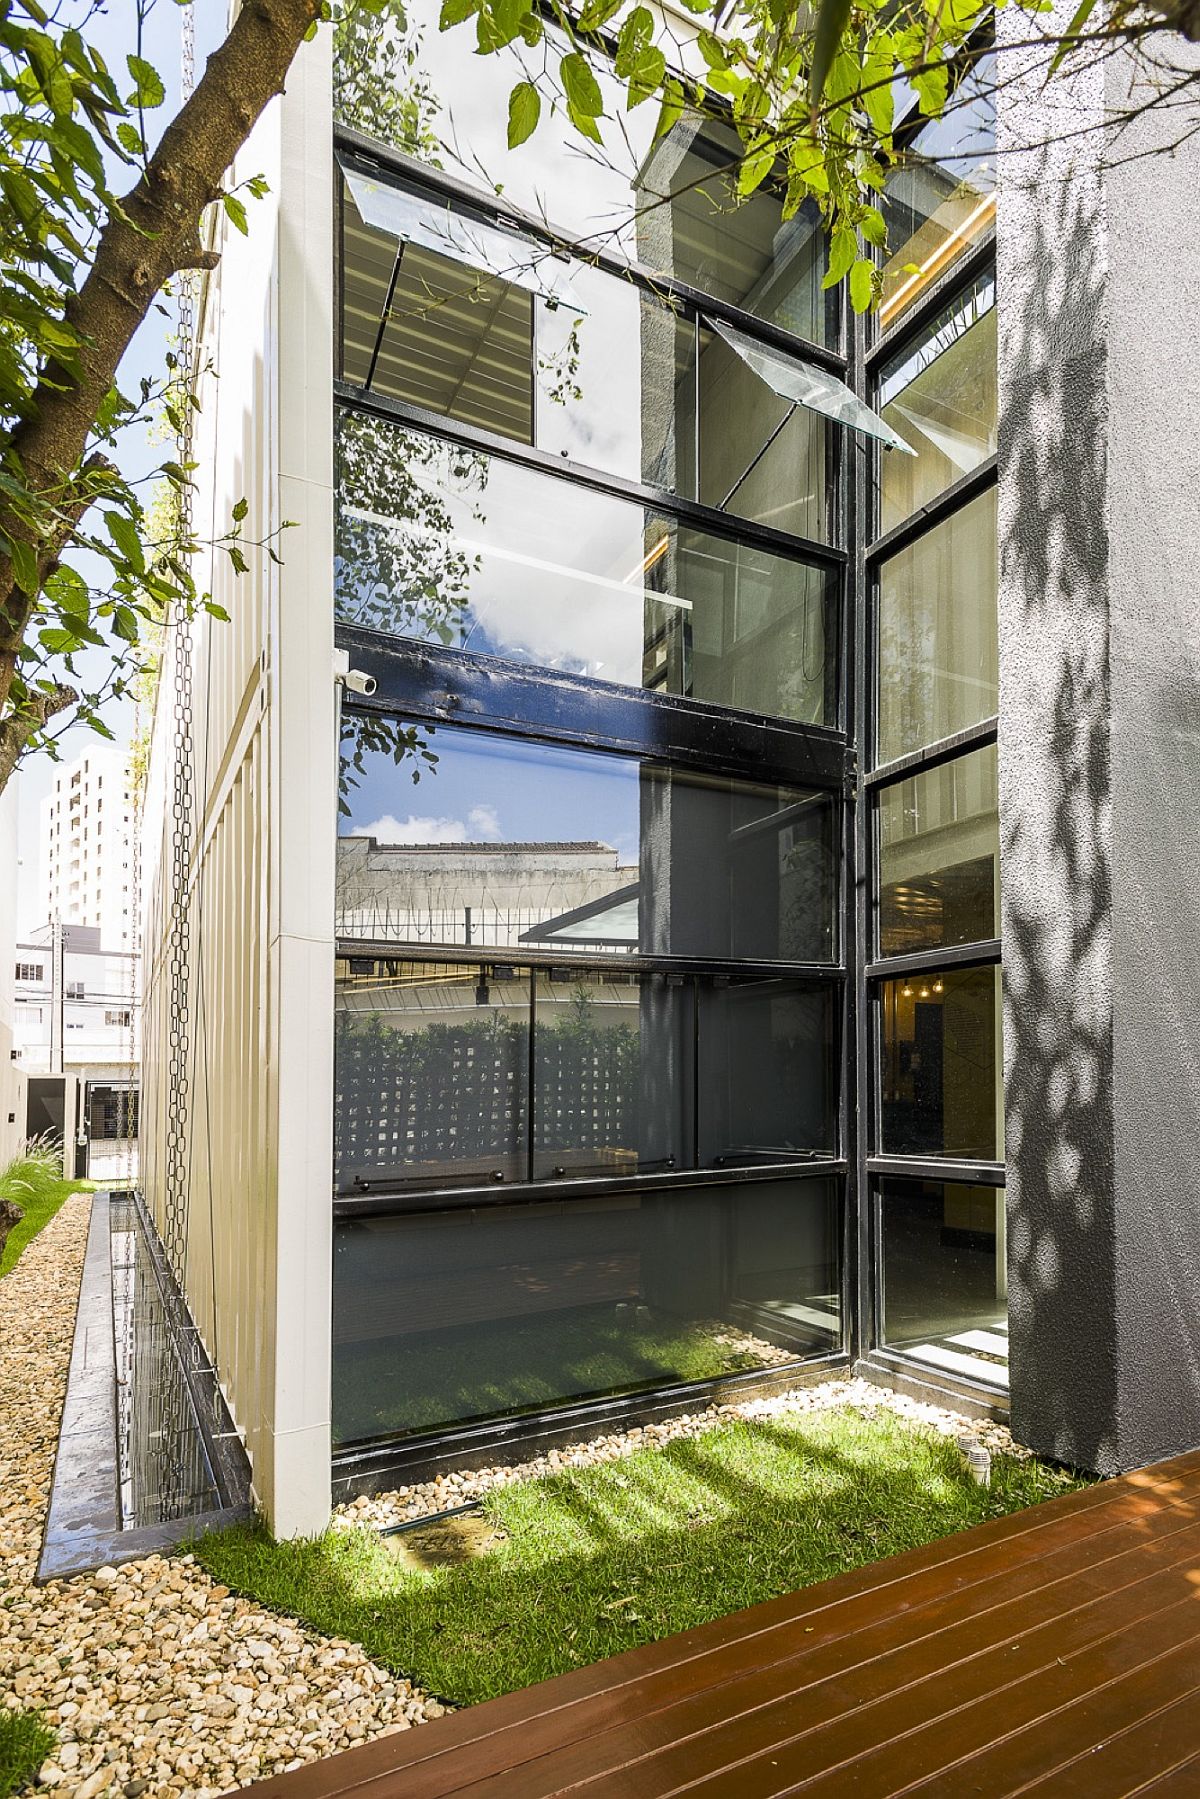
{"x": 938, "y": 657}
{"x": 942, "y": 198}
{"x": 432, "y": 1074}
{"x": 430, "y": 330}
{"x": 761, "y": 457}
{"x": 768, "y": 1072}
{"x": 592, "y": 1110}
{"x": 939, "y": 857}
{"x": 454, "y": 546}
{"x": 942, "y": 1082}
{"x": 741, "y": 251}
{"x": 945, "y": 1301}
{"x": 806, "y": 385}
{"x": 429, "y": 93}
{"x": 615, "y": 384}
{"x": 432, "y": 1070}
{"x": 941, "y": 394}
{"x": 493, "y": 1312}
{"x": 523, "y": 844}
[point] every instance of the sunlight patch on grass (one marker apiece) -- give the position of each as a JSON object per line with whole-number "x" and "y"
{"x": 592, "y": 1561}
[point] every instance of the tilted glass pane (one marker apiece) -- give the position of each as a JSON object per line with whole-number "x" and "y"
{"x": 489, "y": 1313}
{"x": 429, "y": 330}
{"x": 944, "y": 1285}
{"x": 806, "y": 385}
{"x": 942, "y": 1077}
{"x": 416, "y": 218}
{"x": 502, "y": 843}
{"x": 941, "y": 199}
{"x": 454, "y": 546}
{"x": 939, "y": 857}
{"x": 942, "y": 394}
{"x": 938, "y": 655}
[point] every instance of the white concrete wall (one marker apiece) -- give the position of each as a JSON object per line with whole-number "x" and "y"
{"x": 262, "y": 862}
{"x": 12, "y": 1080}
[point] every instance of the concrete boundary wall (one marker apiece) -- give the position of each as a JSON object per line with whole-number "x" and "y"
{"x": 260, "y": 1021}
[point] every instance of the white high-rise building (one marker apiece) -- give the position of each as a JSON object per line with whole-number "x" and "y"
{"x": 87, "y": 853}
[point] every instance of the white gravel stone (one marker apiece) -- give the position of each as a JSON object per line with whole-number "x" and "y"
{"x": 425, "y": 1497}
{"x": 157, "y": 1680}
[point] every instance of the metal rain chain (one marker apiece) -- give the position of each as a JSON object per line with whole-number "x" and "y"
{"x": 170, "y": 1431}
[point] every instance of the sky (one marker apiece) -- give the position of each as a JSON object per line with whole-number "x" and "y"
{"x": 112, "y": 31}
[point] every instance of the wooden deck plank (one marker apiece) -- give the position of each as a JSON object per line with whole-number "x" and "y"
{"x": 990, "y": 1662}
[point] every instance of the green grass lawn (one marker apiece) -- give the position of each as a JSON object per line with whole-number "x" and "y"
{"x": 25, "y": 1742}
{"x": 523, "y": 1364}
{"x": 596, "y": 1560}
{"x": 38, "y": 1208}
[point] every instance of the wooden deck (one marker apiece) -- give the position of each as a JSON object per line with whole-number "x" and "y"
{"x": 1056, "y": 1651}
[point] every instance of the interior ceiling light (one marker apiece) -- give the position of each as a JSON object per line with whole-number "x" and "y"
{"x": 805, "y": 385}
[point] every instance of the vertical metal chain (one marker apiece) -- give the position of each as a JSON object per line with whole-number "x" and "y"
{"x": 128, "y": 1112}
{"x": 176, "y": 1171}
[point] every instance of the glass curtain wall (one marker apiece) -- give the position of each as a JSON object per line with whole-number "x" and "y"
{"x": 936, "y": 1158}
{"x": 590, "y": 991}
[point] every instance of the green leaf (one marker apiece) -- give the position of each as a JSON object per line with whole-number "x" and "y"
{"x": 236, "y": 212}
{"x": 125, "y": 623}
{"x": 124, "y": 535}
{"x": 455, "y": 12}
{"x": 635, "y": 38}
{"x": 871, "y": 224}
{"x": 671, "y": 110}
{"x": 241, "y": 508}
{"x": 148, "y": 87}
{"x": 1082, "y": 15}
{"x": 862, "y": 285}
{"x": 597, "y": 13}
{"x": 756, "y": 166}
{"x": 130, "y": 139}
{"x": 24, "y": 566}
{"x": 581, "y": 87}
{"x": 646, "y": 78}
{"x": 524, "y": 111}
{"x": 832, "y": 20}
{"x": 238, "y": 560}
{"x": 584, "y": 124}
{"x": 843, "y": 248}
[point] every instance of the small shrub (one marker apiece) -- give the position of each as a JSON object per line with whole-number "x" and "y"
{"x": 33, "y": 1172}
{"x": 25, "y": 1742}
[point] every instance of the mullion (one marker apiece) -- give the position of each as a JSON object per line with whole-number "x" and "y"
{"x": 946, "y": 749}
{"x": 980, "y": 954}
{"x": 935, "y": 512}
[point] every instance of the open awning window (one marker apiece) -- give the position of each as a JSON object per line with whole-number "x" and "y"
{"x": 805, "y": 385}
{"x": 493, "y": 249}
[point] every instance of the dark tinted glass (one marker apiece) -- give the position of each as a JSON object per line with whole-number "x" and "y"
{"x": 630, "y": 1073}
{"x": 454, "y": 546}
{"x": 942, "y": 1079}
{"x": 943, "y": 1278}
{"x": 939, "y": 857}
{"x": 938, "y": 655}
{"x": 941, "y": 199}
{"x": 502, "y": 844}
{"x": 485, "y": 1313}
{"x": 940, "y": 396}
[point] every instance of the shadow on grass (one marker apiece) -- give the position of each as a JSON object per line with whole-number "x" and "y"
{"x": 597, "y": 1560}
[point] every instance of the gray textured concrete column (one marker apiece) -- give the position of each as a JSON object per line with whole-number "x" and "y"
{"x": 1099, "y": 291}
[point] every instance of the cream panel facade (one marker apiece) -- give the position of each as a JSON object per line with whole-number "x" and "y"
{"x": 261, "y": 840}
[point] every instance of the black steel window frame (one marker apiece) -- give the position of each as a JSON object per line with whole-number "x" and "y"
{"x": 426, "y": 682}
{"x": 869, "y": 1165}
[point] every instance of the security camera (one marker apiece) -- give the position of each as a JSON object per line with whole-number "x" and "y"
{"x": 357, "y": 682}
